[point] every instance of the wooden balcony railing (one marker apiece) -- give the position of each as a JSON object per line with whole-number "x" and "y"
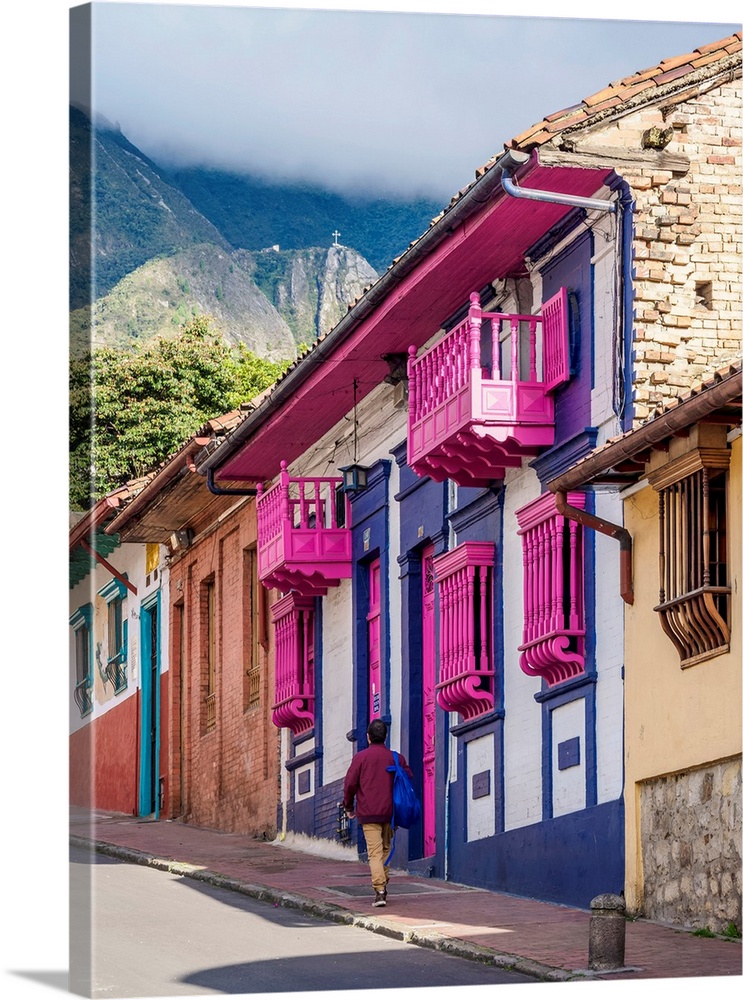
{"x": 294, "y": 707}
{"x": 304, "y": 537}
{"x": 481, "y": 398}
{"x": 464, "y": 579}
{"x": 554, "y": 619}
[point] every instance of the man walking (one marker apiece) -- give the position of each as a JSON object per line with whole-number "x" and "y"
{"x": 370, "y": 783}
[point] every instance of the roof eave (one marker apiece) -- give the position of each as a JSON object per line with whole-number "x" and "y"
{"x": 654, "y": 431}
{"x": 470, "y": 202}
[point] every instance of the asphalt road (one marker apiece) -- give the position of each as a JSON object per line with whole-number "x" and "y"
{"x": 153, "y": 934}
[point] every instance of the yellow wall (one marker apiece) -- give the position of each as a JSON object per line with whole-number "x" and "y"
{"x": 674, "y": 719}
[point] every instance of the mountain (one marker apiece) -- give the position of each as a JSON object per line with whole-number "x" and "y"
{"x": 137, "y": 214}
{"x": 150, "y": 248}
{"x": 255, "y": 213}
{"x": 271, "y": 301}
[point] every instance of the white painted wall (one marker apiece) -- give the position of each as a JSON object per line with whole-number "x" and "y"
{"x": 569, "y": 786}
{"x": 481, "y": 812}
{"x": 523, "y": 720}
{"x": 337, "y": 681}
{"x": 609, "y": 654}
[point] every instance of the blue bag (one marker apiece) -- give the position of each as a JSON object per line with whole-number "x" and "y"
{"x": 406, "y": 808}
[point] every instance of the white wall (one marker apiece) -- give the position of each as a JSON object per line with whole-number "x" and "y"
{"x": 569, "y": 785}
{"x": 523, "y": 721}
{"x": 481, "y": 811}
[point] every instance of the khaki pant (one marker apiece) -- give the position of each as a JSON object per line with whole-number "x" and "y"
{"x": 378, "y": 838}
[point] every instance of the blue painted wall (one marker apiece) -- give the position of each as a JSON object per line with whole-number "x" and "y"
{"x": 572, "y": 268}
{"x": 566, "y": 860}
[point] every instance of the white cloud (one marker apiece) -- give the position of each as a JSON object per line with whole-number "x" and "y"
{"x": 352, "y": 99}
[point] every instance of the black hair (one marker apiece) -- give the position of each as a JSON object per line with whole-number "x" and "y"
{"x": 377, "y": 731}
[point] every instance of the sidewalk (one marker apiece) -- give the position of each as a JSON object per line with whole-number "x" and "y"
{"x": 544, "y": 940}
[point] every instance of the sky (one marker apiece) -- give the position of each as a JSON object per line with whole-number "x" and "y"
{"x": 356, "y": 100}
{"x": 418, "y": 87}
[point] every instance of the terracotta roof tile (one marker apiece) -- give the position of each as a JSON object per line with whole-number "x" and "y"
{"x": 705, "y": 59}
{"x": 714, "y": 46}
{"x": 674, "y": 74}
{"x": 527, "y": 134}
{"x": 621, "y": 91}
{"x": 640, "y": 75}
{"x": 666, "y": 64}
{"x": 564, "y": 112}
{"x": 602, "y": 95}
{"x": 573, "y": 119}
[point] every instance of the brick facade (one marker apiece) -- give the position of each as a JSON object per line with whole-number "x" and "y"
{"x": 224, "y": 766}
{"x": 680, "y": 155}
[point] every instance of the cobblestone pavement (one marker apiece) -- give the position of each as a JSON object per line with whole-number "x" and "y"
{"x": 545, "y": 940}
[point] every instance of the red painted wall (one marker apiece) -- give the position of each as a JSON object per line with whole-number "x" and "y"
{"x": 103, "y": 761}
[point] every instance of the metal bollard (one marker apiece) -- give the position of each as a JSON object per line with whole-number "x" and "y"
{"x": 606, "y": 933}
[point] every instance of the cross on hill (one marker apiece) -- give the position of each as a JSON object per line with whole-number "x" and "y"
{"x": 336, "y": 234}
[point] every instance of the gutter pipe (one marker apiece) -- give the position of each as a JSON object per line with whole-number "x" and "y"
{"x": 533, "y": 194}
{"x": 623, "y": 536}
{"x": 225, "y": 491}
{"x": 623, "y": 406}
{"x": 477, "y": 195}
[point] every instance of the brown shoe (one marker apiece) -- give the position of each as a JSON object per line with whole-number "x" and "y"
{"x": 380, "y": 898}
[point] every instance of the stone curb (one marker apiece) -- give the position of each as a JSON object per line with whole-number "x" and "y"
{"x": 337, "y": 914}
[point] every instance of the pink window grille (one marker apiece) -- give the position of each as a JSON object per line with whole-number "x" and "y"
{"x": 293, "y": 618}
{"x": 464, "y": 579}
{"x": 554, "y": 617}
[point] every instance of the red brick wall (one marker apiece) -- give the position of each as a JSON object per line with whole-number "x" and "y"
{"x": 103, "y": 760}
{"x": 227, "y": 777}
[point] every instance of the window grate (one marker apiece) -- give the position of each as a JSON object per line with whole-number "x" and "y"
{"x": 694, "y": 596}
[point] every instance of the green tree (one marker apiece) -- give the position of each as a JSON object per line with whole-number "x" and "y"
{"x": 130, "y": 410}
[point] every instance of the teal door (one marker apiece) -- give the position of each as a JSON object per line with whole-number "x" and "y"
{"x": 149, "y": 730}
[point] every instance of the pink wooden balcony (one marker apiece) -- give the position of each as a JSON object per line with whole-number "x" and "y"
{"x": 294, "y": 706}
{"x": 554, "y": 619}
{"x": 303, "y": 543}
{"x": 481, "y": 398}
{"x": 464, "y": 579}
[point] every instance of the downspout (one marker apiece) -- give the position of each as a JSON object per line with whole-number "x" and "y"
{"x": 534, "y": 194}
{"x": 624, "y": 408}
{"x": 623, "y": 536}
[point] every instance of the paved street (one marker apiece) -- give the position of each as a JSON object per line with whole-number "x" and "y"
{"x": 159, "y": 934}
{"x": 541, "y": 940}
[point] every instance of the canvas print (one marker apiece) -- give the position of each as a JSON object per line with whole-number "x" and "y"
{"x": 405, "y": 408}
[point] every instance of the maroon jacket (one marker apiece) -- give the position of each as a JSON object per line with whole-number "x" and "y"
{"x": 370, "y": 783}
